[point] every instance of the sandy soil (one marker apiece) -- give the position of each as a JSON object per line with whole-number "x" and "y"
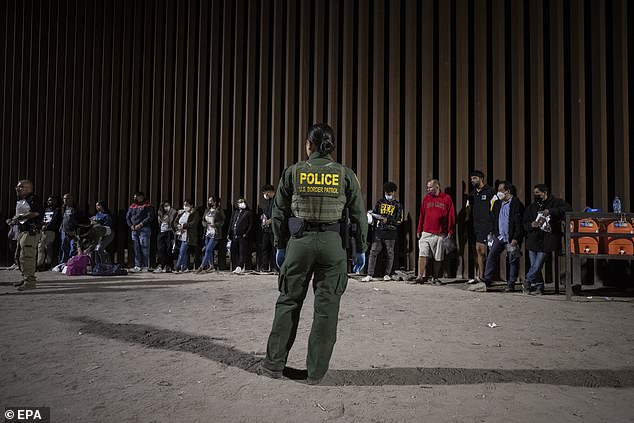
{"x": 164, "y": 348}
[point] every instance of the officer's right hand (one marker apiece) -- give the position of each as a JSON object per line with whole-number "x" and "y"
{"x": 280, "y": 255}
{"x": 418, "y": 235}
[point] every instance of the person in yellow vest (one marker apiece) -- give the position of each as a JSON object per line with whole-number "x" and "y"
{"x": 307, "y": 227}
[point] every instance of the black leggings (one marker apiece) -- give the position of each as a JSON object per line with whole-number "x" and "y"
{"x": 164, "y": 244}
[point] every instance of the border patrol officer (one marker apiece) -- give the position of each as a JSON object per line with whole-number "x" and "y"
{"x": 308, "y": 208}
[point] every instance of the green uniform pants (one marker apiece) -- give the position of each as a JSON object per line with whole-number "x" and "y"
{"x": 318, "y": 256}
{"x": 27, "y": 252}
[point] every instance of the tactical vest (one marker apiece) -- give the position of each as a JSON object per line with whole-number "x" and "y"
{"x": 319, "y": 192}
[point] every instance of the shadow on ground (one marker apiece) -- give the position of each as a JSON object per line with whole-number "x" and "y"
{"x": 95, "y": 285}
{"x": 209, "y": 348}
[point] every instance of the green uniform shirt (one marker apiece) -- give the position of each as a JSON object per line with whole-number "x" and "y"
{"x": 283, "y": 199}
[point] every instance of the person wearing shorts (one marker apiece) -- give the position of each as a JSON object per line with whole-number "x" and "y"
{"x": 436, "y": 221}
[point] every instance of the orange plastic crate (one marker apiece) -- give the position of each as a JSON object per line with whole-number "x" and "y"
{"x": 619, "y": 246}
{"x": 585, "y": 244}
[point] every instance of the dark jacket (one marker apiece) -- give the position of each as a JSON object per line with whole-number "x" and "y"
{"x": 55, "y": 216}
{"x": 538, "y": 240}
{"x": 140, "y": 214}
{"x": 70, "y": 215}
{"x": 516, "y": 213}
{"x": 192, "y": 226}
{"x": 265, "y": 211}
{"x": 219, "y": 222}
{"x": 241, "y": 223}
{"x": 393, "y": 212}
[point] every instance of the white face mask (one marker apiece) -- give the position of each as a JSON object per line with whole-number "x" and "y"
{"x": 500, "y": 195}
{"x": 266, "y": 196}
{"x": 167, "y": 208}
{"x": 389, "y": 197}
{"x": 187, "y": 208}
{"x": 242, "y": 205}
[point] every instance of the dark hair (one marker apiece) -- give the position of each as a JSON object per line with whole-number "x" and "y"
{"x": 477, "y": 173}
{"x": 268, "y": 187}
{"x": 189, "y": 201}
{"x": 389, "y": 186}
{"x": 543, "y": 188}
{"x": 139, "y": 194}
{"x": 322, "y": 136}
{"x": 54, "y": 198}
{"x": 104, "y": 206}
{"x": 509, "y": 187}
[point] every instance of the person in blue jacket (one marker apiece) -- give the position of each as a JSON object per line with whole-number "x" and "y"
{"x": 139, "y": 217}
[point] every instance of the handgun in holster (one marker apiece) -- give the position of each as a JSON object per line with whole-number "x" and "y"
{"x": 296, "y": 227}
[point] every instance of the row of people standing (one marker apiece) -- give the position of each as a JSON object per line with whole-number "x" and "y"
{"x": 499, "y": 222}
{"x": 193, "y": 231}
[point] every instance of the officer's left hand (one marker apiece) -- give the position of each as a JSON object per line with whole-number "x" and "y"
{"x": 280, "y": 255}
{"x": 359, "y": 262}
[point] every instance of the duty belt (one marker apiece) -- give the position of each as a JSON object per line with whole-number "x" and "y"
{"x": 321, "y": 227}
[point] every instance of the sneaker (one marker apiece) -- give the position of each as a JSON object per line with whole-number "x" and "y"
{"x": 158, "y": 269}
{"x": 478, "y": 287}
{"x": 509, "y": 289}
{"x": 18, "y": 284}
{"x": 474, "y": 280}
{"x": 12, "y": 267}
{"x": 525, "y": 290}
{"x": 237, "y": 270}
{"x": 367, "y": 279}
{"x": 537, "y": 292}
{"x": 177, "y": 271}
{"x": 387, "y": 278}
{"x": 436, "y": 281}
{"x": 265, "y": 371}
{"x": 135, "y": 269}
{"x": 167, "y": 269}
{"x": 210, "y": 269}
{"x": 144, "y": 270}
{"x": 26, "y": 287}
{"x": 199, "y": 270}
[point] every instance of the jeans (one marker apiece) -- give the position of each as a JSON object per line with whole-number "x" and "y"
{"x": 183, "y": 256}
{"x": 493, "y": 258}
{"x": 141, "y": 239}
{"x": 377, "y": 246}
{"x": 68, "y": 247}
{"x": 534, "y": 274}
{"x": 210, "y": 246}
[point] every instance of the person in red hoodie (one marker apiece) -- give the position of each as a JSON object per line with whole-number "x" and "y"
{"x": 436, "y": 221}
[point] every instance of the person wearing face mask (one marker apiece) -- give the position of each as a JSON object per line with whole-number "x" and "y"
{"x": 186, "y": 222}
{"x": 541, "y": 243}
{"x": 139, "y": 218}
{"x": 479, "y": 223}
{"x": 506, "y": 217}
{"x": 240, "y": 227}
{"x": 212, "y": 222}
{"x": 70, "y": 215}
{"x": 391, "y": 215}
{"x": 165, "y": 239}
{"x": 436, "y": 221}
{"x": 267, "y": 258}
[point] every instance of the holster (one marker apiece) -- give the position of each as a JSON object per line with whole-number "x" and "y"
{"x": 296, "y": 227}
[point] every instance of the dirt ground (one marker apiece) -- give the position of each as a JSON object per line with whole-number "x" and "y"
{"x": 165, "y": 348}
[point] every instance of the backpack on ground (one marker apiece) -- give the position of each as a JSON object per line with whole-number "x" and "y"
{"x": 78, "y": 265}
